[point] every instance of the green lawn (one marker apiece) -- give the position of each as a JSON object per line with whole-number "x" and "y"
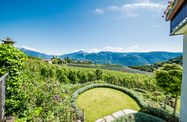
{"x": 99, "y": 102}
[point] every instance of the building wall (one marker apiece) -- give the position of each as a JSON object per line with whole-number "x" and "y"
{"x": 183, "y": 112}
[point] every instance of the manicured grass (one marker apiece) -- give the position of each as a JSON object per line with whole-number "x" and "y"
{"x": 99, "y": 102}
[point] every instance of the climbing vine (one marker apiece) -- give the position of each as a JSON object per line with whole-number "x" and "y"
{"x": 11, "y": 61}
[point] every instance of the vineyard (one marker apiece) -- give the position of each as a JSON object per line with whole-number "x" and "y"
{"x": 110, "y": 67}
{"x": 45, "y": 90}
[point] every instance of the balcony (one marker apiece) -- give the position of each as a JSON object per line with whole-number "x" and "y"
{"x": 179, "y": 20}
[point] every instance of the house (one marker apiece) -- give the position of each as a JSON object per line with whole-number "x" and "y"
{"x": 8, "y": 40}
{"x": 48, "y": 61}
{"x": 177, "y": 15}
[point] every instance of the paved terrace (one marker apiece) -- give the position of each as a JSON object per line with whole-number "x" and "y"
{"x": 116, "y": 115}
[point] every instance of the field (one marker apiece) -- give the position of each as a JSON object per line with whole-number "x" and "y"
{"x": 99, "y": 102}
{"x": 110, "y": 67}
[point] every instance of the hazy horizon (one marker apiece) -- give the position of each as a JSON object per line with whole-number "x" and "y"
{"x": 76, "y": 51}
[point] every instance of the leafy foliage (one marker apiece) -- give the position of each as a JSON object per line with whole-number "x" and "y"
{"x": 109, "y": 67}
{"x": 169, "y": 78}
{"x": 48, "y": 88}
{"x": 75, "y": 75}
{"x": 163, "y": 114}
{"x": 98, "y": 74}
{"x": 153, "y": 67}
{"x": 11, "y": 61}
{"x": 48, "y": 91}
{"x": 138, "y": 117}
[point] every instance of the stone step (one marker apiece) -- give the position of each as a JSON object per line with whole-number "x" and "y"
{"x": 116, "y": 115}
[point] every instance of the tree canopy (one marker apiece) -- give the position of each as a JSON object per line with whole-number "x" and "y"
{"x": 169, "y": 78}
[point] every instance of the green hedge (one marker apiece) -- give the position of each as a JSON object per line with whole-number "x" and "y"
{"x": 11, "y": 61}
{"x": 136, "y": 97}
{"x": 138, "y": 117}
{"x": 160, "y": 113}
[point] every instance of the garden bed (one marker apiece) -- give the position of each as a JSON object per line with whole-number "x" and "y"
{"x": 137, "y": 97}
{"x": 100, "y": 102}
{"x": 137, "y": 100}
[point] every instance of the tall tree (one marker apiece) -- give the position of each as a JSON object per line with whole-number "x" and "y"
{"x": 98, "y": 74}
{"x": 169, "y": 78}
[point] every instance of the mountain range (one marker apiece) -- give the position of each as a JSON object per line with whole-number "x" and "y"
{"x": 125, "y": 59}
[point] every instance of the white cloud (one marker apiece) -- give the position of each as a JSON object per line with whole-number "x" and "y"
{"x": 95, "y": 50}
{"x": 132, "y": 9}
{"x": 145, "y": 4}
{"x": 116, "y": 49}
{"x": 113, "y": 8}
{"x": 99, "y": 11}
{"x": 113, "y": 49}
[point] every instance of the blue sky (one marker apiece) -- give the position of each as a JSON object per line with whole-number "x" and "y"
{"x": 63, "y": 26}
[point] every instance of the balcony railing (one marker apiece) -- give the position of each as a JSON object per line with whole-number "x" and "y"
{"x": 180, "y": 16}
{"x": 2, "y": 96}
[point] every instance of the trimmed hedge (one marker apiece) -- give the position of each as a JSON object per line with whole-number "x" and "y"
{"x": 132, "y": 94}
{"x": 138, "y": 117}
{"x": 138, "y": 98}
{"x": 160, "y": 113}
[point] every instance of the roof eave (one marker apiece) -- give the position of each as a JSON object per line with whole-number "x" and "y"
{"x": 174, "y": 10}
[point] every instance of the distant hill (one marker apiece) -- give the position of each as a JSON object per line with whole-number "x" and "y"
{"x": 36, "y": 54}
{"x": 151, "y": 68}
{"x": 125, "y": 59}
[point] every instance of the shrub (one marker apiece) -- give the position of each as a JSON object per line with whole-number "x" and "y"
{"x": 73, "y": 77}
{"x": 140, "y": 90}
{"x": 138, "y": 117}
{"x": 98, "y": 74}
{"x": 160, "y": 113}
{"x": 11, "y": 61}
{"x": 169, "y": 78}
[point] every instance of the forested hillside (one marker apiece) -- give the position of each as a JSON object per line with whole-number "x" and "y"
{"x": 36, "y": 54}
{"x": 151, "y": 68}
{"x": 124, "y": 59}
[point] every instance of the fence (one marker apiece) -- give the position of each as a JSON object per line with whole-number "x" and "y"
{"x": 2, "y": 96}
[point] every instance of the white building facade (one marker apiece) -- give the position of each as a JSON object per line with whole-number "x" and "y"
{"x": 177, "y": 16}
